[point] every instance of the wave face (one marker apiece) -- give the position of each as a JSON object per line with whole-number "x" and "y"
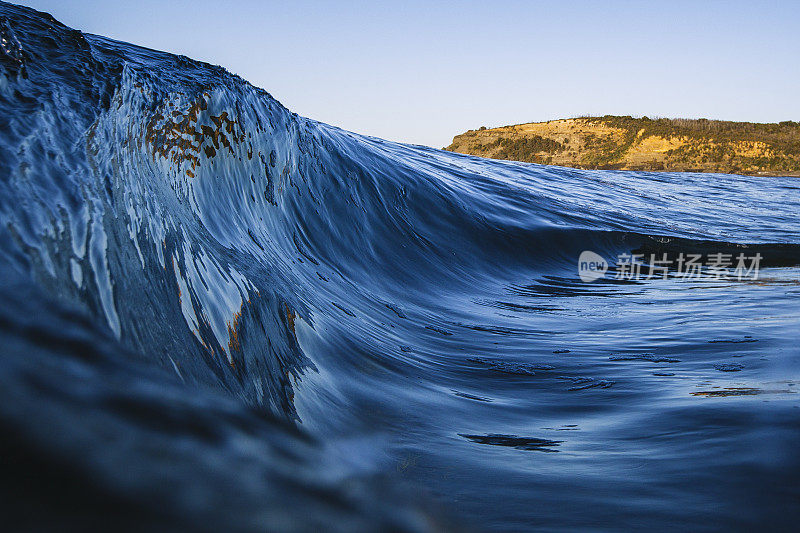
{"x": 220, "y": 315}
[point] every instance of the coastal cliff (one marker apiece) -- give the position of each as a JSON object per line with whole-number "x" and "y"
{"x": 627, "y": 143}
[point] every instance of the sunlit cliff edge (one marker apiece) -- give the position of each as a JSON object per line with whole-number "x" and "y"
{"x": 627, "y": 143}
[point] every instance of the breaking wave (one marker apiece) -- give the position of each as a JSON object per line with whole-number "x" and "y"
{"x": 219, "y": 314}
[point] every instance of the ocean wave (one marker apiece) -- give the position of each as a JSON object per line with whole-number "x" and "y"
{"x": 217, "y": 240}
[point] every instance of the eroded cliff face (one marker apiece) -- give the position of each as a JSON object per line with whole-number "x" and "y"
{"x": 628, "y": 143}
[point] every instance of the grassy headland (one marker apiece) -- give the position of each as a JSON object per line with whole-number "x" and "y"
{"x": 627, "y": 143}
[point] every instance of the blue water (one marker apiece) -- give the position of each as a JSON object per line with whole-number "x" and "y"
{"x": 218, "y": 315}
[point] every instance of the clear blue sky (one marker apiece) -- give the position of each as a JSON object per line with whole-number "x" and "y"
{"x": 423, "y": 71}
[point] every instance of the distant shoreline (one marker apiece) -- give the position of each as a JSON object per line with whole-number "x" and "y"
{"x": 660, "y": 145}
